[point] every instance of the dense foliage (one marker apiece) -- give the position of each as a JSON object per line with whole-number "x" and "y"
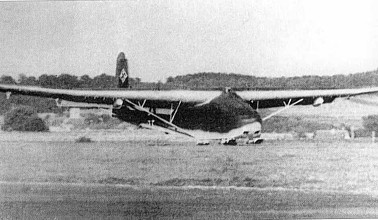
{"x": 238, "y": 81}
{"x": 23, "y": 118}
{"x": 370, "y": 123}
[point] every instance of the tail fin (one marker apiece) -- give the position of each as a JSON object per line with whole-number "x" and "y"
{"x": 122, "y": 71}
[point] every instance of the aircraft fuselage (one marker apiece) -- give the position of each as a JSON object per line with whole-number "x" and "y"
{"x": 222, "y": 114}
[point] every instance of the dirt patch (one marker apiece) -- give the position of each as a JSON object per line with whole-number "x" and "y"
{"x": 115, "y": 180}
{"x": 236, "y": 181}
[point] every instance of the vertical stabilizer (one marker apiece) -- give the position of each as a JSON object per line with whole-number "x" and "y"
{"x": 122, "y": 71}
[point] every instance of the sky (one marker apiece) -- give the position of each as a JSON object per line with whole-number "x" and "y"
{"x": 271, "y": 38}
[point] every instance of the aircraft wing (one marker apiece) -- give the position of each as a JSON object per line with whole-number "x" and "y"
{"x": 279, "y": 98}
{"x": 152, "y": 97}
{"x": 164, "y": 98}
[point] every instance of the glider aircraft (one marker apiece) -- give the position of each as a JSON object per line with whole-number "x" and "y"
{"x": 225, "y": 115}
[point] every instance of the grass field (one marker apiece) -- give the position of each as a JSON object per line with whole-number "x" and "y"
{"x": 347, "y": 166}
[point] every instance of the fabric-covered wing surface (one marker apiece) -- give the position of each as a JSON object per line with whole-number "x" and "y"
{"x": 164, "y": 99}
{"x": 278, "y": 98}
{"x": 155, "y": 98}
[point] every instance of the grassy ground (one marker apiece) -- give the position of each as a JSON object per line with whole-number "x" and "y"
{"x": 138, "y": 160}
{"x": 94, "y": 201}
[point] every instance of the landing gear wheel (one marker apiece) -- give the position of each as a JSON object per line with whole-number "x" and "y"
{"x": 231, "y": 142}
{"x": 255, "y": 141}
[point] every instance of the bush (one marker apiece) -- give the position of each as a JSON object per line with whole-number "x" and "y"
{"x": 103, "y": 121}
{"x": 370, "y": 123}
{"x": 83, "y": 139}
{"x": 23, "y": 119}
{"x": 92, "y": 118}
{"x": 362, "y": 133}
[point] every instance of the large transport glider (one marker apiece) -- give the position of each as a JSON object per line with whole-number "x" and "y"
{"x": 225, "y": 115}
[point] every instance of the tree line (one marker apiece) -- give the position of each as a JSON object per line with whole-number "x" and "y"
{"x": 246, "y": 82}
{"x": 203, "y": 81}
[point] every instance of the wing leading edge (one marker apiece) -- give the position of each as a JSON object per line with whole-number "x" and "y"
{"x": 264, "y": 99}
{"x": 109, "y": 96}
{"x": 279, "y": 98}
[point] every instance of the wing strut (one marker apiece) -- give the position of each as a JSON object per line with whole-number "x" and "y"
{"x": 8, "y": 94}
{"x": 142, "y": 105}
{"x": 58, "y": 102}
{"x": 172, "y": 117}
{"x": 176, "y": 128}
{"x": 257, "y": 104}
{"x": 287, "y": 106}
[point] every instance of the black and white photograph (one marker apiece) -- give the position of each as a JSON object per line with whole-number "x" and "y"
{"x": 189, "y": 109}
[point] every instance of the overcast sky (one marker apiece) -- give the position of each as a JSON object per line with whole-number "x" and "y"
{"x": 169, "y": 38}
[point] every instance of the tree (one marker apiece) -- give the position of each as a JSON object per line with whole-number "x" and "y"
{"x": 86, "y": 81}
{"x": 170, "y": 79}
{"x": 7, "y": 80}
{"x": 67, "y": 81}
{"x": 24, "y": 80}
{"x": 22, "y": 77}
{"x": 48, "y": 81}
{"x": 23, "y": 119}
{"x": 370, "y": 123}
{"x": 104, "y": 81}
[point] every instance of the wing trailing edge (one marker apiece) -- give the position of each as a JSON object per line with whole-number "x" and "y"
{"x": 109, "y": 96}
{"x": 191, "y": 97}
